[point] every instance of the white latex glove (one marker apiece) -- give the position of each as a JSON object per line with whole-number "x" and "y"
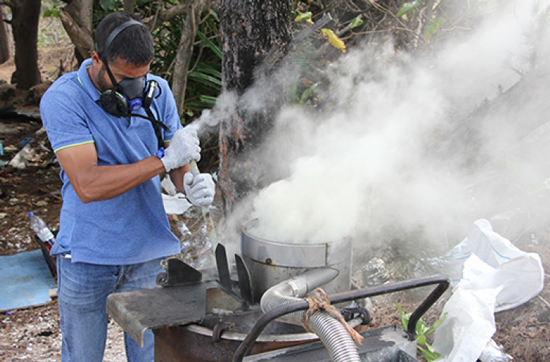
{"x": 199, "y": 189}
{"x": 183, "y": 147}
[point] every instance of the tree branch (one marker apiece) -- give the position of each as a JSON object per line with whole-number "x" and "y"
{"x": 81, "y": 38}
{"x": 185, "y": 52}
{"x": 172, "y": 12}
{"x": 165, "y": 15}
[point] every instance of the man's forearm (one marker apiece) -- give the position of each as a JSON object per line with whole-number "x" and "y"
{"x": 106, "y": 182}
{"x": 176, "y": 176}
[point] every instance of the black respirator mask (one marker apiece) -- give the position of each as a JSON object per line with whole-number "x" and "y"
{"x": 127, "y": 96}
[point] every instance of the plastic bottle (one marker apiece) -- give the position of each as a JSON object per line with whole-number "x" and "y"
{"x": 42, "y": 231}
{"x": 183, "y": 229}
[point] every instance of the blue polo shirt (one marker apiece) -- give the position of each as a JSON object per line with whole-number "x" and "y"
{"x": 133, "y": 227}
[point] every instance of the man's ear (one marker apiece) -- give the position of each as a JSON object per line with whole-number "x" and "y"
{"x": 96, "y": 58}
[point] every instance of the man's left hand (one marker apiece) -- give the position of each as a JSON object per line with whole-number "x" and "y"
{"x": 199, "y": 189}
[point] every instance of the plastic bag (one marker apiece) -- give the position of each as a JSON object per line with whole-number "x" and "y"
{"x": 496, "y": 276}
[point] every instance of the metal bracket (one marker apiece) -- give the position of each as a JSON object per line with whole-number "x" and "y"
{"x": 177, "y": 274}
{"x": 241, "y": 289}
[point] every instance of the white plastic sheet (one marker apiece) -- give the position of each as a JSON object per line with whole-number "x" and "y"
{"x": 489, "y": 274}
{"x": 175, "y": 203}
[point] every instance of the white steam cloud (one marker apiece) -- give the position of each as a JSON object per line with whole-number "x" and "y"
{"x": 374, "y": 167}
{"x": 370, "y": 167}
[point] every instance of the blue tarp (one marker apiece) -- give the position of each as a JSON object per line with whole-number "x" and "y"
{"x": 25, "y": 280}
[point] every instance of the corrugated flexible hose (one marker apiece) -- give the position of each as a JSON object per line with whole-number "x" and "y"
{"x": 331, "y": 332}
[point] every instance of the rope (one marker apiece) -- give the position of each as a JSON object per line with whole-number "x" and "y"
{"x": 320, "y": 301}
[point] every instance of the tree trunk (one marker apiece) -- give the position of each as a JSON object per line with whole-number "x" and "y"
{"x": 6, "y": 40}
{"x": 129, "y": 6}
{"x": 250, "y": 29}
{"x": 77, "y": 22}
{"x": 25, "y": 16}
{"x": 185, "y": 51}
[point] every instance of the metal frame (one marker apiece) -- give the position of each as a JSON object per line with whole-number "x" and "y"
{"x": 442, "y": 285}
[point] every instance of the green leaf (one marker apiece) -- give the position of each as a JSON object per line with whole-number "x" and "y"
{"x": 429, "y": 355}
{"x": 209, "y": 70}
{"x": 356, "y": 22}
{"x": 210, "y": 44}
{"x": 214, "y": 15}
{"x": 199, "y": 104}
{"x": 432, "y": 27}
{"x": 295, "y": 99}
{"x": 422, "y": 331}
{"x": 436, "y": 324}
{"x": 51, "y": 12}
{"x": 303, "y": 16}
{"x": 430, "y": 348}
{"x": 404, "y": 316}
{"x": 408, "y": 7}
{"x": 421, "y": 327}
{"x": 205, "y": 79}
{"x": 208, "y": 99}
{"x": 308, "y": 92}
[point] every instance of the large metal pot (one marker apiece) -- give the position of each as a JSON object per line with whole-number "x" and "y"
{"x": 272, "y": 262}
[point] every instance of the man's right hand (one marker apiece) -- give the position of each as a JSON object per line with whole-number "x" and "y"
{"x": 183, "y": 147}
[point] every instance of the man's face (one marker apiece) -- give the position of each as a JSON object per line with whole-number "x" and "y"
{"x": 120, "y": 70}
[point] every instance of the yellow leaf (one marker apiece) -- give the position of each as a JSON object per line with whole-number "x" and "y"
{"x": 334, "y": 40}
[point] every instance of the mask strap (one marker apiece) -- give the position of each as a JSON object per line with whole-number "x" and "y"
{"x": 156, "y": 125}
{"x": 150, "y": 116}
{"x": 116, "y": 86}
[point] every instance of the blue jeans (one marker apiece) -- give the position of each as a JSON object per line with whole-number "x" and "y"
{"x": 82, "y": 293}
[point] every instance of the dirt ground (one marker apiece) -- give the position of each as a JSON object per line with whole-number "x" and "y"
{"x": 33, "y": 334}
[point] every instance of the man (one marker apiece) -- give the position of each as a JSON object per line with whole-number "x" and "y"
{"x": 108, "y": 123}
